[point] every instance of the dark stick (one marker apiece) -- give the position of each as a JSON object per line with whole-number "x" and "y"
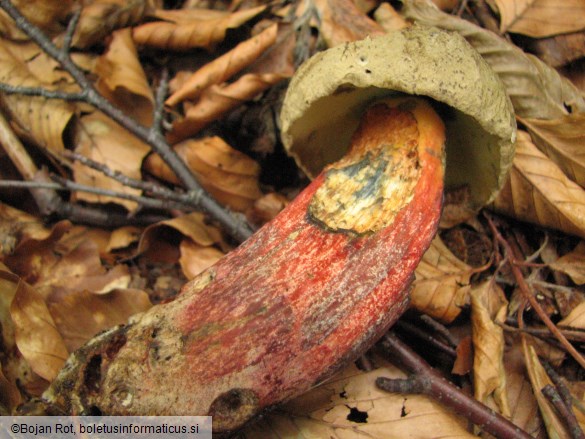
{"x": 239, "y": 230}
{"x": 431, "y": 383}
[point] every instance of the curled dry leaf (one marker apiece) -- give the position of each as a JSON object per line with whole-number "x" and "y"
{"x": 442, "y": 285}
{"x": 576, "y": 318}
{"x": 488, "y": 308}
{"x": 562, "y": 141}
{"x": 224, "y": 67}
{"x": 350, "y": 405}
{"x": 538, "y": 378}
{"x": 81, "y": 315}
{"x": 341, "y": 21}
{"x": 229, "y": 175}
{"x": 41, "y": 120}
{"x": 36, "y": 334}
{"x": 193, "y": 226}
{"x": 541, "y": 18}
{"x": 122, "y": 80}
{"x": 573, "y": 264}
{"x": 538, "y": 191}
{"x": 387, "y": 17}
{"x": 188, "y": 29}
{"x": 536, "y": 90}
{"x": 100, "y": 17}
{"x": 100, "y": 138}
{"x": 217, "y": 100}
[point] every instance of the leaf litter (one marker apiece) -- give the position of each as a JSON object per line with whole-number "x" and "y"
{"x": 61, "y": 284}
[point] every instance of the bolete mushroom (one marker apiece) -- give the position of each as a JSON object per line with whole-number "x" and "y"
{"x": 314, "y": 288}
{"x": 328, "y": 94}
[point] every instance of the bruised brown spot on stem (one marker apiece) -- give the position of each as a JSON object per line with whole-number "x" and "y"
{"x": 233, "y": 408}
{"x": 364, "y": 191}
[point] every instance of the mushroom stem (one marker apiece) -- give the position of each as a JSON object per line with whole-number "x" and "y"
{"x": 308, "y": 293}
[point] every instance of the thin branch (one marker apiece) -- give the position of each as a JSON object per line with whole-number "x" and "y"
{"x": 43, "y": 92}
{"x": 238, "y": 229}
{"x": 525, "y": 290}
{"x": 428, "y": 381}
{"x": 71, "y": 26}
{"x": 564, "y": 411}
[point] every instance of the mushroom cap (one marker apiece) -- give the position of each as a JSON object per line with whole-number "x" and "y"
{"x": 329, "y": 93}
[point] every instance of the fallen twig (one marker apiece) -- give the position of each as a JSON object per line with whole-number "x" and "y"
{"x": 427, "y": 381}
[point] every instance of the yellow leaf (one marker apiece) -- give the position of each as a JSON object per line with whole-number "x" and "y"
{"x": 36, "y": 335}
{"x": 41, "y": 120}
{"x": 573, "y": 264}
{"x": 188, "y": 29}
{"x": 541, "y": 18}
{"x": 488, "y": 306}
{"x": 103, "y": 140}
{"x": 562, "y": 141}
{"x": 351, "y": 406}
{"x": 442, "y": 285}
{"x": 539, "y": 192}
{"x": 122, "y": 80}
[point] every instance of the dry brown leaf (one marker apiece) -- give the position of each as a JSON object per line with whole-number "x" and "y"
{"x": 217, "y": 100}
{"x": 36, "y": 335}
{"x": 224, "y": 67}
{"x": 266, "y": 208}
{"x": 488, "y": 308}
{"x": 351, "y": 406}
{"x": 539, "y": 379}
{"x": 192, "y": 226}
{"x": 81, "y": 315}
{"x": 41, "y": 120}
{"x": 100, "y": 17}
{"x": 49, "y": 15}
{"x": 122, "y": 80}
{"x": 541, "y": 18}
{"x": 538, "y": 191}
{"x": 123, "y": 237}
{"x": 536, "y": 90}
{"x": 196, "y": 258}
{"x": 103, "y": 140}
{"x": 442, "y": 286}
{"x": 341, "y": 21}
{"x": 562, "y": 141}
{"x": 188, "y": 29}
{"x": 387, "y": 17}
{"x": 229, "y": 175}
{"x": 524, "y": 406}
{"x": 573, "y": 264}
{"x": 576, "y": 318}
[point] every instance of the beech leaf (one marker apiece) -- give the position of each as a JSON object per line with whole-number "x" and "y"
{"x": 100, "y": 17}
{"x": 229, "y": 175}
{"x": 196, "y": 258}
{"x": 188, "y": 29}
{"x": 41, "y": 120}
{"x": 36, "y": 334}
{"x": 442, "y": 286}
{"x": 122, "y": 80}
{"x": 538, "y": 191}
{"x": 562, "y": 141}
{"x": 573, "y": 264}
{"x": 103, "y": 140}
{"x": 488, "y": 308}
{"x": 350, "y": 405}
{"x": 541, "y": 18}
{"x": 536, "y": 90}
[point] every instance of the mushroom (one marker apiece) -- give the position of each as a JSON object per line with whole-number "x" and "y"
{"x": 314, "y": 288}
{"x": 328, "y": 94}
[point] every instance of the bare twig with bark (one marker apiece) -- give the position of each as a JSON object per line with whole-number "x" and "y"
{"x": 426, "y": 380}
{"x": 153, "y": 136}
